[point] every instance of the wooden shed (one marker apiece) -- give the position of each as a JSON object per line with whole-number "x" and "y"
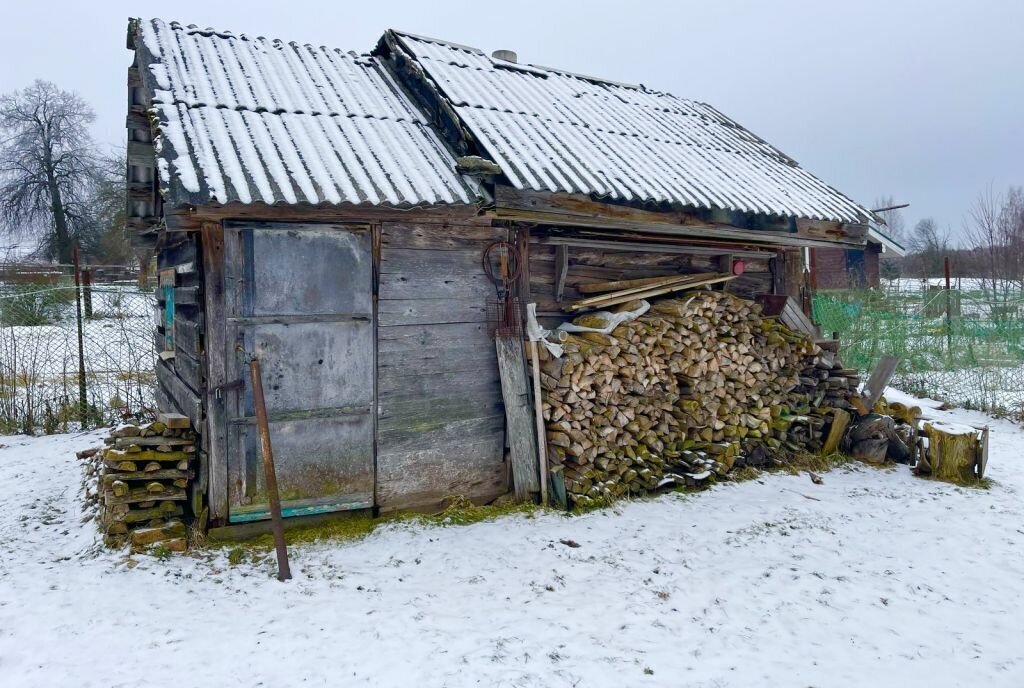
{"x": 328, "y": 211}
{"x": 853, "y": 268}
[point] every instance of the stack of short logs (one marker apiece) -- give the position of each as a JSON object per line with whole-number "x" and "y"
{"x": 698, "y": 385}
{"x": 143, "y": 486}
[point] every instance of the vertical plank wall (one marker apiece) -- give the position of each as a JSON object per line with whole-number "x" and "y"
{"x": 181, "y": 379}
{"x": 440, "y": 424}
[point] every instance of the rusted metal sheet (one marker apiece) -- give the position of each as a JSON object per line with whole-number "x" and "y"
{"x": 302, "y": 303}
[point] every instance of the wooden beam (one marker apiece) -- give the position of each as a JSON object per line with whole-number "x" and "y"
{"x": 651, "y": 247}
{"x": 561, "y": 270}
{"x": 212, "y": 245}
{"x": 579, "y": 210}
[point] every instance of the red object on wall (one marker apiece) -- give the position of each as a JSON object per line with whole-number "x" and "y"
{"x": 738, "y": 266}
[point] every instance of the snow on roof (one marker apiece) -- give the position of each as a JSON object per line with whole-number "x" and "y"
{"x": 890, "y": 245}
{"x": 551, "y": 130}
{"x": 259, "y": 120}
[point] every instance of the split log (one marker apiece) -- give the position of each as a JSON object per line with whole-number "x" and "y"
{"x": 953, "y": 451}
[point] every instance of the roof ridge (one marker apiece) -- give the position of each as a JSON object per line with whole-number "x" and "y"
{"x": 227, "y": 34}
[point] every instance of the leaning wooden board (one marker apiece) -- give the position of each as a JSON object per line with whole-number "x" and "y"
{"x": 519, "y": 416}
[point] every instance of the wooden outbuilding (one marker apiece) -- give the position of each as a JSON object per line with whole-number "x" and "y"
{"x": 853, "y": 268}
{"x": 328, "y": 212}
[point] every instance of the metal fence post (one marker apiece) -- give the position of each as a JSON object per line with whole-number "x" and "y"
{"x": 949, "y": 313}
{"x": 83, "y": 407}
{"x": 87, "y": 292}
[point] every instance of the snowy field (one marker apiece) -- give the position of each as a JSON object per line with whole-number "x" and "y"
{"x": 875, "y": 578}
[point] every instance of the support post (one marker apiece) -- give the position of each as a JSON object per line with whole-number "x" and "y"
{"x": 269, "y": 475}
{"x": 542, "y": 442}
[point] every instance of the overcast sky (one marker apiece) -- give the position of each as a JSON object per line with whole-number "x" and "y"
{"x": 922, "y": 99}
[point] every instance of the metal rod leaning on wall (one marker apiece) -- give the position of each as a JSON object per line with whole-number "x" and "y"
{"x": 269, "y": 475}
{"x": 83, "y": 407}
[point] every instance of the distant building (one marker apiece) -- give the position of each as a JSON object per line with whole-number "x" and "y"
{"x": 849, "y": 268}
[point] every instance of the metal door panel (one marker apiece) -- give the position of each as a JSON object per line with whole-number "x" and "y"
{"x": 322, "y": 464}
{"x": 302, "y": 301}
{"x": 309, "y": 272}
{"x": 320, "y": 365}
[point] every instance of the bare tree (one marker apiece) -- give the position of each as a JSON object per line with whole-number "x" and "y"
{"x": 47, "y": 167}
{"x": 929, "y": 245}
{"x": 995, "y": 233}
{"x": 893, "y": 219}
{"x": 891, "y": 266}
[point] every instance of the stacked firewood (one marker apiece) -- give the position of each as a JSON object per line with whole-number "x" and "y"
{"x": 146, "y": 473}
{"x": 699, "y": 384}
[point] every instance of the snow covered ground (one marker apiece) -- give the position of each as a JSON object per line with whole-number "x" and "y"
{"x": 875, "y": 578}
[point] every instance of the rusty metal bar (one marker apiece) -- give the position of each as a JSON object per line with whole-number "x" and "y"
{"x": 269, "y": 475}
{"x": 83, "y": 404}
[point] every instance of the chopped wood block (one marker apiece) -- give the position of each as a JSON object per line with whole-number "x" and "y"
{"x": 174, "y": 420}
{"x": 149, "y": 536}
{"x": 126, "y": 431}
{"x": 176, "y": 545}
{"x": 145, "y": 455}
{"x": 154, "y": 441}
{"x": 143, "y": 495}
{"x": 141, "y": 515}
{"x": 168, "y": 474}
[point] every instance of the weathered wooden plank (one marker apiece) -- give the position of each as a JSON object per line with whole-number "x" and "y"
{"x": 648, "y": 247}
{"x": 434, "y": 412}
{"x": 418, "y": 285}
{"x": 182, "y": 399}
{"x": 580, "y": 210}
{"x": 880, "y": 376}
{"x": 414, "y": 261}
{"x": 425, "y": 477}
{"x": 476, "y": 383}
{"x": 430, "y": 311}
{"x": 429, "y": 361}
{"x": 433, "y": 348}
{"x": 410, "y": 339}
{"x": 522, "y": 441}
{"x": 561, "y": 270}
{"x": 186, "y": 296}
{"x": 408, "y": 438}
{"x": 188, "y": 369}
{"x": 180, "y": 254}
{"x": 446, "y": 237}
{"x": 186, "y": 335}
{"x": 215, "y": 437}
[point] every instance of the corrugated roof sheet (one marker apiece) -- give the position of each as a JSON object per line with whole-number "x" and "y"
{"x": 257, "y": 120}
{"x": 554, "y": 131}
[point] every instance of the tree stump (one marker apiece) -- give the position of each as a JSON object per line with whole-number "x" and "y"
{"x": 952, "y": 451}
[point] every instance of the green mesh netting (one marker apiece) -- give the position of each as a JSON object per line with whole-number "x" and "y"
{"x": 974, "y": 357}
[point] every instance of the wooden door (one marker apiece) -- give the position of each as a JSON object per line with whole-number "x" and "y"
{"x": 300, "y": 297}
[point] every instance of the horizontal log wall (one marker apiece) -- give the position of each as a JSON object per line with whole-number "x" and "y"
{"x": 589, "y": 265}
{"x": 440, "y": 424}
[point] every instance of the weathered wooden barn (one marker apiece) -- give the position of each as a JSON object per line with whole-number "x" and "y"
{"x": 852, "y": 268}
{"x": 328, "y": 211}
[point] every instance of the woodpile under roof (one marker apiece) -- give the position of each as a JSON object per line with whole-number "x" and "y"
{"x": 700, "y": 384}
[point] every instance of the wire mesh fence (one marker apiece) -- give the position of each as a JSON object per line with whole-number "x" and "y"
{"x": 45, "y": 384}
{"x": 958, "y": 345}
